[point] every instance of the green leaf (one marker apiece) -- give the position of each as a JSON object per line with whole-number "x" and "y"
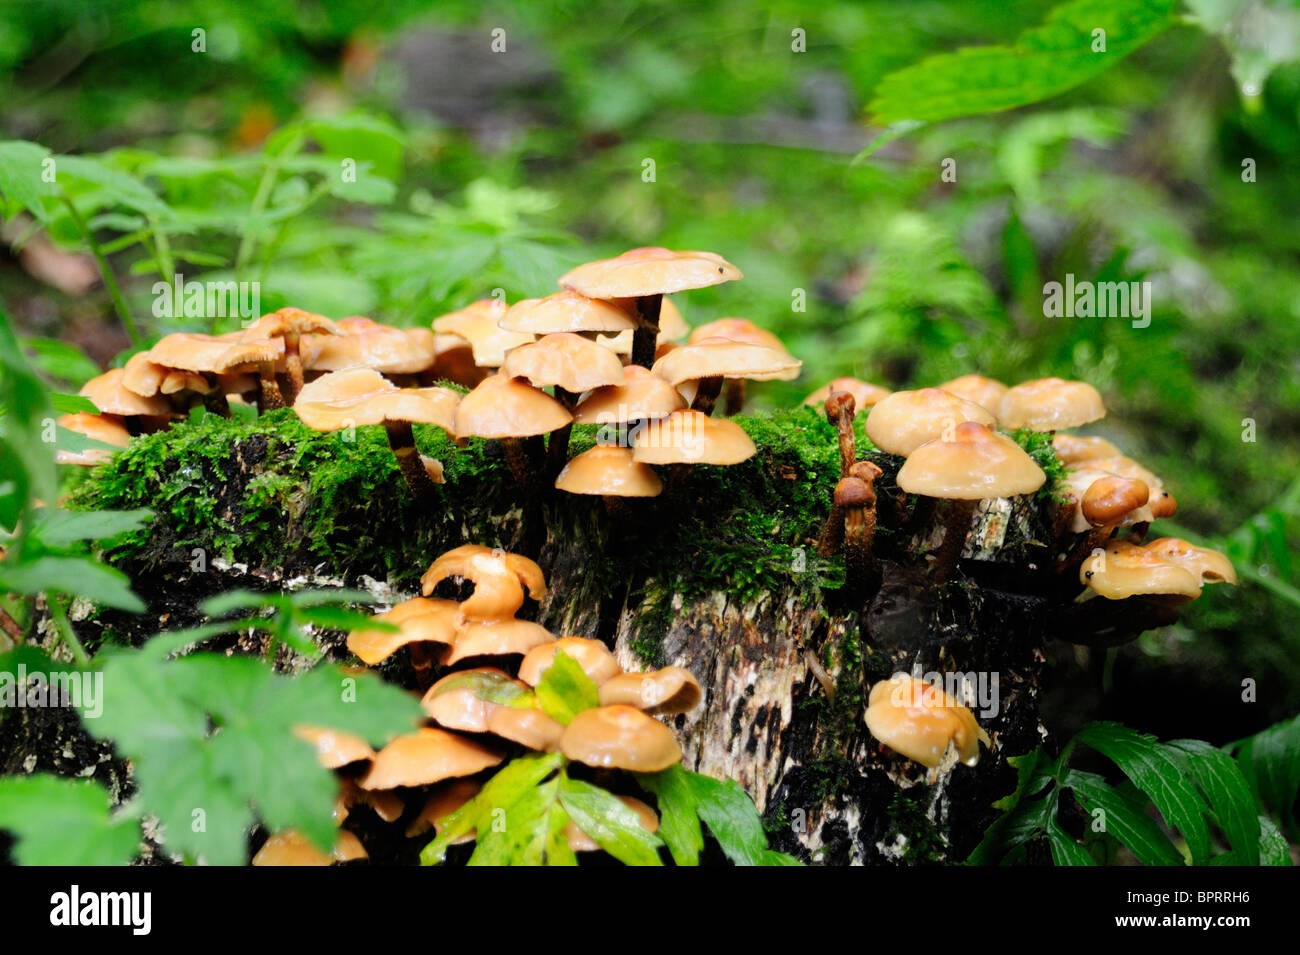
{"x": 66, "y": 364}
{"x": 1065, "y": 851}
{"x": 118, "y": 186}
{"x": 614, "y": 826}
{"x": 1125, "y": 822}
{"x": 1270, "y": 762}
{"x": 65, "y": 822}
{"x": 78, "y": 576}
{"x": 1273, "y": 847}
{"x": 488, "y": 685}
{"x": 1228, "y": 793}
{"x": 566, "y": 690}
{"x": 364, "y": 138}
{"x": 1159, "y": 773}
{"x": 59, "y": 528}
{"x": 1043, "y": 62}
{"x": 72, "y": 404}
{"x": 679, "y": 818}
{"x": 21, "y": 175}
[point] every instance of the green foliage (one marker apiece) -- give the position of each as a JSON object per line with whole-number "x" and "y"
{"x": 1191, "y": 784}
{"x": 1270, "y": 761}
{"x": 565, "y": 689}
{"x": 66, "y": 822}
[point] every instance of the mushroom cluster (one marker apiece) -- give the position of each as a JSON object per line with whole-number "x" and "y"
{"x": 486, "y": 705}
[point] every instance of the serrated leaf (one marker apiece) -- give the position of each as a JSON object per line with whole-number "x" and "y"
{"x": 20, "y": 175}
{"x": 679, "y": 818}
{"x": 729, "y": 813}
{"x": 1270, "y": 762}
{"x": 1228, "y": 793}
{"x": 119, "y": 186}
{"x": 1065, "y": 850}
{"x": 69, "y": 822}
{"x": 72, "y": 404}
{"x": 614, "y": 826}
{"x": 1043, "y": 62}
{"x": 565, "y": 689}
{"x": 1123, "y": 821}
{"x": 1273, "y": 847}
{"x": 79, "y": 576}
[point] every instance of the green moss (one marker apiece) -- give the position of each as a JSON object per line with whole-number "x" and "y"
{"x": 1038, "y": 445}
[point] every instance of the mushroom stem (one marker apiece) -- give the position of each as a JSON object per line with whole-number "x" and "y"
{"x": 1097, "y": 537}
{"x": 215, "y": 402}
{"x": 422, "y": 663}
{"x": 839, "y": 412}
{"x": 401, "y": 438}
{"x": 646, "y": 336}
{"x": 293, "y": 366}
{"x": 954, "y": 538}
{"x": 1138, "y": 532}
{"x": 859, "y": 564}
{"x": 735, "y": 395}
{"x": 270, "y": 397}
{"x": 832, "y": 536}
{"x": 557, "y": 447}
{"x": 517, "y": 458}
{"x": 706, "y": 394}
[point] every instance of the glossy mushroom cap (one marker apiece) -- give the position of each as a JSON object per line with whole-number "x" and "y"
{"x": 1127, "y": 467}
{"x": 362, "y": 396}
{"x": 920, "y": 721}
{"x": 106, "y": 429}
{"x": 724, "y": 358}
{"x": 642, "y": 395}
{"x": 566, "y": 311}
{"x": 1210, "y": 565}
{"x": 1080, "y": 480}
{"x": 592, "y": 655}
{"x": 737, "y": 330}
{"x": 383, "y": 348}
{"x": 865, "y": 394}
{"x": 985, "y": 392}
{"x": 1108, "y": 499}
{"x": 974, "y": 465}
{"x": 903, "y": 421}
{"x": 662, "y": 692}
{"x": 1126, "y": 570}
{"x": 109, "y": 394}
{"x": 1075, "y": 450}
{"x": 257, "y": 351}
{"x": 692, "y": 437}
{"x": 478, "y": 324}
{"x": 500, "y": 407}
{"x": 427, "y": 756}
{"x": 186, "y": 351}
{"x": 419, "y": 620}
{"x": 620, "y": 737}
{"x": 494, "y": 638}
{"x": 499, "y": 579}
{"x": 530, "y": 728}
{"x": 649, "y": 271}
{"x": 464, "y": 700}
{"x": 292, "y": 848}
{"x": 1050, "y": 404}
{"x": 565, "y": 360}
{"x": 334, "y": 748}
{"x": 854, "y": 492}
{"x": 289, "y": 323}
{"x": 609, "y": 471}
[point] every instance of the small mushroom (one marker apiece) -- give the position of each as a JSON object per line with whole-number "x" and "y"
{"x": 292, "y": 848}
{"x": 579, "y": 841}
{"x": 1124, "y": 570}
{"x": 736, "y": 330}
{"x": 427, "y": 756}
{"x": 620, "y": 737}
{"x": 512, "y": 412}
{"x": 643, "y": 396}
{"x": 611, "y": 472}
{"x": 865, "y": 394}
{"x": 985, "y": 392}
{"x": 264, "y": 354}
{"x": 920, "y": 721}
{"x": 499, "y": 579}
{"x": 687, "y": 438}
{"x": 855, "y": 497}
{"x": 419, "y": 620}
{"x": 1050, "y": 404}
{"x": 839, "y": 411}
{"x": 704, "y": 364}
{"x": 566, "y": 311}
{"x": 335, "y": 749}
{"x": 664, "y": 692}
{"x": 108, "y": 393}
{"x": 903, "y": 421}
{"x": 592, "y": 655}
{"x": 104, "y": 428}
{"x": 289, "y": 325}
{"x": 363, "y": 343}
{"x": 529, "y": 727}
{"x": 479, "y": 325}
{"x": 464, "y": 700}
{"x": 646, "y": 275}
{"x": 494, "y": 638}
{"x": 1210, "y": 565}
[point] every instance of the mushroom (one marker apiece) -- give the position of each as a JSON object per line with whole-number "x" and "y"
{"x": 427, "y": 756}
{"x": 920, "y": 721}
{"x": 104, "y": 428}
{"x": 620, "y": 737}
{"x": 453, "y": 360}
{"x": 662, "y": 692}
{"x": 463, "y": 700}
{"x": 263, "y": 353}
{"x": 687, "y": 438}
{"x": 499, "y": 580}
{"x": 448, "y": 798}
{"x": 566, "y": 311}
{"x": 671, "y": 328}
{"x": 1074, "y": 450}
{"x": 1162, "y": 503}
{"x": 974, "y": 464}
{"x": 1050, "y": 404}
{"x": 289, "y": 324}
{"x": 985, "y": 392}
{"x": 419, "y": 620}
{"x": 363, "y": 343}
{"x": 643, "y": 396}
{"x": 292, "y": 848}
{"x": 592, "y": 655}
{"x": 361, "y": 396}
{"x": 511, "y": 411}
{"x": 109, "y": 394}
{"x": 1210, "y": 565}
{"x": 613, "y": 473}
{"x": 1124, "y": 570}
{"x": 335, "y": 749}
{"x": 646, "y": 275}
{"x": 839, "y": 412}
{"x": 579, "y": 841}
{"x": 737, "y": 330}
{"x": 529, "y": 727}
{"x": 855, "y": 500}
{"x": 573, "y": 365}
{"x": 494, "y": 638}
{"x": 704, "y": 364}
{"x": 478, "y": 325}
{"x": 180, "y": 366}
{"x": 865, "y": 394}
{"x": 903, "y": 421}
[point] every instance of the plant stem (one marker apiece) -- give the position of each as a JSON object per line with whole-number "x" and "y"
{"x": 59, "y": 615}
{"x": 110, "y": 283}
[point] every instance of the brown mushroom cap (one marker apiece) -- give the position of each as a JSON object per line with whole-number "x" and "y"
{"x": 649, "y": 271}
{"x": 642, "y": 395}
{"x": 256, "y": 351}
{"x": 420, "y": 620}
{"x": 1210, "y": 565}
{"x": 1109, "y": 499}
{"x": 903, "y": 421}
{"x": 724, "y": 358}
{"x": 610, "y": 471}
{"x": 142, "y": 376}
{"x": 1078, "y": 481}
{"x": 1125, "y": 570}
{"x": 565, "y": 360}
{"x": 659, "y": 692}
{"x": 498, "y": 577}
{"x": 334, "y": 748}
{"x": 362, "y": 396}
{"x": 292, "y": 848}
{"x": 1075, "y": 449}
{"x": 500, "y": 407}
{"x": 528, "y": 727}
{"x": 175, "y": 382}
{"x": 566, "y": 311}
{"x": 109, "y": 394}
{"x": 592, "y": 655}
{"x": 692, "y": 437}
{"x": 579, "y": 841}
{"x": 865, "y": 394}
{"x": 985, "y": 392}
{"x": 107, "y": 429}
{"x": 189, "y": 351}
{"x": 737, "y": 330}
{"x": 974, "y": 465}
{"x": 289, "y": 323}
{"x": 448, "y": 797}
{"x": 463, "y": 700}
{"x": 620, "y": 737}
{"x": 427, "y": 756}
{"x": 919, "y": 720}
{"x": 1050, "y": 404}
{"x": 454, "y": 361}
{"x": 477, "y": 323}
{"x": 853, "y": 492}
{"x": 495, "y": 638}
{"x": 1127, "y": 467}
{"x": 383, "y": 348}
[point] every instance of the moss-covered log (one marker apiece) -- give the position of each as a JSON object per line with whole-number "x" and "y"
{"x": 720, "y": 574}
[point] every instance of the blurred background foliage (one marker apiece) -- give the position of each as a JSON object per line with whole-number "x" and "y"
{"x": 481, "y": 170}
